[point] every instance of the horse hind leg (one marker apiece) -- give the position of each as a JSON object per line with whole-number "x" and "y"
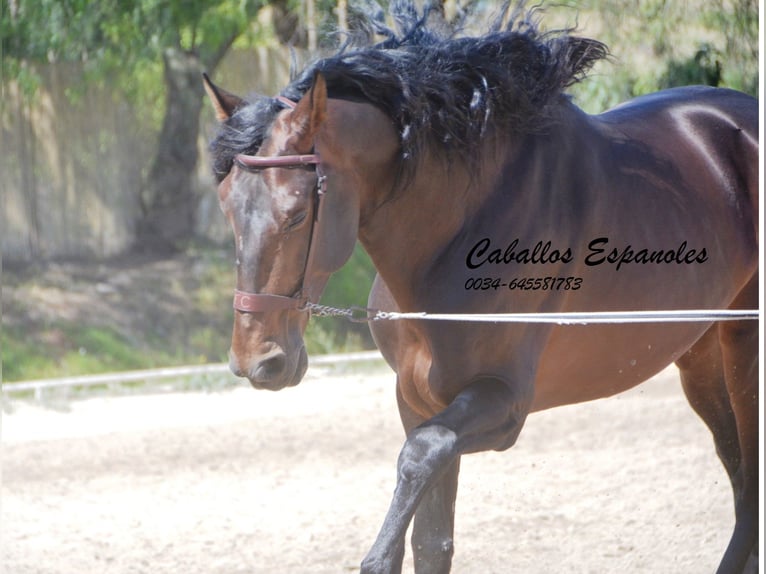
{"x": 720, "y": 378}
{"x": 740, "y": 353}
{"x": 704, "y": 383}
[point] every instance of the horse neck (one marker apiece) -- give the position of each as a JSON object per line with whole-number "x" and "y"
{"x": 410, "y": 233}
{"x": 406, "y": 234}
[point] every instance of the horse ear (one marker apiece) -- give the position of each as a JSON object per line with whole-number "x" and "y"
{"x": 309, "y": 114}
{"x": 225, "y": 103}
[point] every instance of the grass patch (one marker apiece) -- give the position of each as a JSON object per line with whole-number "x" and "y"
{"x": 88, "y": 318}
{"x": 65, "y": 349}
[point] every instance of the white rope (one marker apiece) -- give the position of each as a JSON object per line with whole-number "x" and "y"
{"x": 678, "y": 316}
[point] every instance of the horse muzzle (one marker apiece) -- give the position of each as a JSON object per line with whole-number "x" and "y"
{"x": 273, "y": 370}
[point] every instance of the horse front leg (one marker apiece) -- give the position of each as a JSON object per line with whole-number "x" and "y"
{"x": 434, "y": 525}
{"x": 486, "y": 415}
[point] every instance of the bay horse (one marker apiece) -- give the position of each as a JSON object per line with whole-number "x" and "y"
{"x": 477, "y": 186}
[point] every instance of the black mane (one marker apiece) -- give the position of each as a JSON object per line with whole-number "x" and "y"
{"x": 440, "y": 89}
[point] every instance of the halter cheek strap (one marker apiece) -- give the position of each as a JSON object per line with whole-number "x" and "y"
{"x": 262, "y": 302}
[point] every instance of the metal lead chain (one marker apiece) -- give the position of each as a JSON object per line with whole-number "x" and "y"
{"x": 354, "y": 314}
{"x": 317, "y": 310}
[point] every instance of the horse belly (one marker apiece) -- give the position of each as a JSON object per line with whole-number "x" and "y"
{"x": 587, "y": 362}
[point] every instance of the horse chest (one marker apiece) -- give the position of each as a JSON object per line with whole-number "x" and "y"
{"x": 434, "y": 367}
{"x": 415, "y": 375}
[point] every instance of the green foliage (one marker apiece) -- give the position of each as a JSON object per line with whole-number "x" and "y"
{"x": 658, "y": 44}
{"x": 738, "y": 22}
{"x": 120, "y": 41}
{"x": 69, "y": 349}
{"x": 657, "y": 40}
{"x": 32, "y": 348}
{"x": 348, "y": 287}
{"x": 703, "y": 68}
{"x": 351, "y": 285}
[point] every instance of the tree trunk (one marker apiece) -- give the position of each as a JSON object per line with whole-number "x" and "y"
{"x": 168, "y": 197}
{"x": 311, "y": 25}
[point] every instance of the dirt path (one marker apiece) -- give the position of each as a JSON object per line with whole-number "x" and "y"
{"x": 298, "y": 482}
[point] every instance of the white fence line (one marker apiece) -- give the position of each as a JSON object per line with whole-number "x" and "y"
{"x": 166, "y": 373}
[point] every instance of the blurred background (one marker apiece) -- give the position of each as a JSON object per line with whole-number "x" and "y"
{"x": 115, "y": 255}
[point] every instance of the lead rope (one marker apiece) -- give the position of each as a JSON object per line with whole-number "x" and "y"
{"x": 362, "y": 314}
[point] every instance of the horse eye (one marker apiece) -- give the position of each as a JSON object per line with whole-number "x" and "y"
{"x": 296, "y": 221}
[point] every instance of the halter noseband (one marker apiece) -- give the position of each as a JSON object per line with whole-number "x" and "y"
{"x": 261, "y": 302}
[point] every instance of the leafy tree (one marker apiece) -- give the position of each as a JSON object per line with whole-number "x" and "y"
{"x": 662, "y": 43}
{"x": 122, "y": 40}
{"x": 738, "y": 22}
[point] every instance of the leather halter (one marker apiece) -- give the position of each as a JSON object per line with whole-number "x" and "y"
{"x": 261, "y": 302}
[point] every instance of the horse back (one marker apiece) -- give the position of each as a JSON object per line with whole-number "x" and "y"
{"x": 716, "y": 125}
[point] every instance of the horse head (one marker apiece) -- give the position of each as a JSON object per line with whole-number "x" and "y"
{"x": 292, "y": 229}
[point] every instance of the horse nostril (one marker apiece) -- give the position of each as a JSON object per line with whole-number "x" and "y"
{"x": 270, "y": 368}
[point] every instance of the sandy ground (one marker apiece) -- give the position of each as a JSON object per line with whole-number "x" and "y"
{"x": 298, "y": 482}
